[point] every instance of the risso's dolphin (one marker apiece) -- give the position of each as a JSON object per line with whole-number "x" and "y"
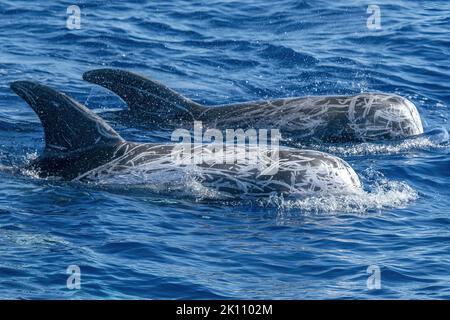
{"x": 359, "y": 118}
{"x": 80, "y": 146}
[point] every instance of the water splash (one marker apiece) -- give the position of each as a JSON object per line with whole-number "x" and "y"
{"x": 435, "y": 139}
{"x": 386, "y": 194}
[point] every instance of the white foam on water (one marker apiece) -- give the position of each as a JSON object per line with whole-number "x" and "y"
{"x": 386, "y": 195}
{"x": 28, "y": 239}
{"x": 437, "y": 139}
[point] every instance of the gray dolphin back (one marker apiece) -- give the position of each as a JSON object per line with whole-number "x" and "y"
{"x": 146, "y": 98}
{"x": 363, "y": 117}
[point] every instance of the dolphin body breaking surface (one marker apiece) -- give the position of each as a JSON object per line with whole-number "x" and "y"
{"x": 80, "y": 146}
{"x": 359, "y": 118}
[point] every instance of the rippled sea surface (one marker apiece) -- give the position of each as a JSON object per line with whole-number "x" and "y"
{"x": 141, "y": 244}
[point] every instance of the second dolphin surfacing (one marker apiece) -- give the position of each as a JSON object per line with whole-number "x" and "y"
{"x": 80, "y": 146}
{"x": 359, "y": 118}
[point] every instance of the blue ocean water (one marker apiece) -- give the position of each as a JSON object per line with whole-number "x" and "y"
{"x": 140, "y": 244}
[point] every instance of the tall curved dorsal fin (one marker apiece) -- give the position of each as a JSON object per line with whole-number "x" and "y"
{"x": 68, "y": 125}
{"x": 144, "y": 96}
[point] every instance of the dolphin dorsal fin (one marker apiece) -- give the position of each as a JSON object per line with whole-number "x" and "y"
{"x": 145, "y": 97}
{"x": 68, "y": 125}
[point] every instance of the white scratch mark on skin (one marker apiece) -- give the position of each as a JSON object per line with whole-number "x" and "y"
{"x": 300, "y": 172}
{"x": 364, "y": 117}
